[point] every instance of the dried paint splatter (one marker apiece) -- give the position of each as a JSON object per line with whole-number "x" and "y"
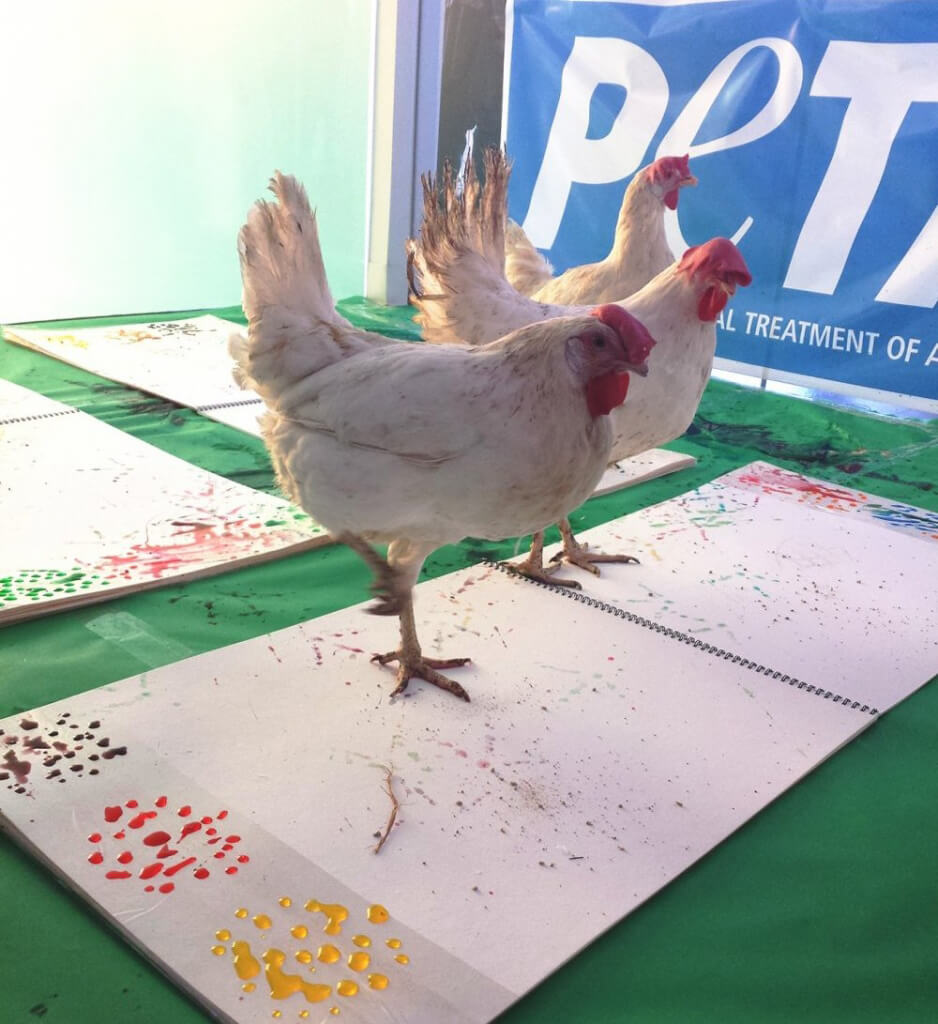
{"x": 28, "y": 585}
{"x": 291, "y": 956}
{"x": 66, "y": 749}
{"x": 155, "y": 844}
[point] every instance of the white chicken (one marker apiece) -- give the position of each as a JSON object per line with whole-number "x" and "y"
{"x": 472, "y": 301}
{"x": 417, "y": 445}
{"x": 639, "y": 248}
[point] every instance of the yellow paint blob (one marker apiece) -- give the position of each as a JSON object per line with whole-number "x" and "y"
{"x": 402, "y": 958}
{"x": 335, "y": 1011}
{"x": 245, "y": 965}
{"x": 359, "y": 961}
{"x": 242, "y": 912}
{"x": 283, "y": 985}
{"x": 248, "y": 986}
{"x": 299, "y": 931}
{"x": 223, "y": 935}
{"x": 304, "y": 1014}
{"x": 347, "y": 987}
{"x": 304, "y": 956}
{"x": 335, "y": 915}
{"x": 262, "y": 921}
{"x": 377, "y": 914}
{"x": 276, "y": 1013}
{"x": 393, "y": 943}
{"x": 285, "y": 901}
{"x": 219, "y": 950}
{"x": 378, "y": 981}
{"x": 328, "y": 954}
{"x": 361, "y": 940}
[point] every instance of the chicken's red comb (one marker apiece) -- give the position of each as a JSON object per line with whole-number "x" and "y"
{"x": 666, "y": 168}
{"x": 635, "y": 337}
{"x": 718, "y": 259}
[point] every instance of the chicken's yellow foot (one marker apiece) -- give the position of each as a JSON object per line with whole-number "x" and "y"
{"x": 423, "y": 668}
{"x": 534, "y": 569}
{"x": 579, "y": 554}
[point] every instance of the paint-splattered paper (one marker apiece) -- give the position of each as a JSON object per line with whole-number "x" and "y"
{"x": 89, "y": 512}
{"x": 600, "y": 757}
{"x": 829, "y": 584}
{"x": 639, "y": 468}
{"x": 185, "y": 361}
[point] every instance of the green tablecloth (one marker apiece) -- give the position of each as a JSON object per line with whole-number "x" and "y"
{"x": 824, "y": 908}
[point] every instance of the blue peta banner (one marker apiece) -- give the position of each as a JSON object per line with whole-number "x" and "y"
{"x": 812, "y": 127}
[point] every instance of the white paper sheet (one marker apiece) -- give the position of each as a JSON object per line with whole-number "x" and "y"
{"x": 639, "y": 468}
{"x": 185, "y": 361}
{"x": 597, "y": 760}
{"x": 89, "y": 512}
{"x": 832, "y": 585}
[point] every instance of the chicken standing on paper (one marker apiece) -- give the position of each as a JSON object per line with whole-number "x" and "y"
{"x": 471, "y": 301}
{"x": 639, "y": 248}
{"x": 418, "y": 446}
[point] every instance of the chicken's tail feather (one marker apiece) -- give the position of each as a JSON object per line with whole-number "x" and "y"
{"x": 463, "y": 233}
{"x": 525, "y": 268}
{"x": 293, "y": 327}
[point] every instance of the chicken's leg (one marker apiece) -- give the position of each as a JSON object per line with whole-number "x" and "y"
{"x": 579, "y": 554}
{"x": 411, "y": 661}
{"x": 533, "y": 566}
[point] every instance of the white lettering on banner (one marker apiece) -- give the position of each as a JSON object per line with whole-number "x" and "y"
{"x": 680, "y": 136}
{"x": 569, "y": 155}
{"x": 914, "y": 282}
{"x": 880, "y": 80}
{"x": 810, "y": 333}
{"x": 933, "y": 355}
{"x": 902, "y": 348}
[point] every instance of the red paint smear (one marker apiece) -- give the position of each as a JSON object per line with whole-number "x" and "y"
{"x": 773, "y": 480}
{"x": 461, "y": 753}
{"x": 217, "y": 839}
{"x": 231, "y": 871}
{"x": 111, "y": 814}
{"x": 354, "y": 650}
{"x": 151, "y": 869}
{"x": 201, "y": 873}
{"x": 221, "y": 815}
{"x": 483, "y": 764}
{"x": 117, "y": 874}
{"x": 187, "y": 830}
{"x": 184, "y": 811}
{"x": 167, "y": 887}
{"x": 125, "y": 858}
{"x": 156, "y": 839}
{"x": 169, "y": 872}
{"x": 96, "y": 857}
{"x": 139, "y": 820}
{"x": 95, "y": 837}
{"x": 166, "y": 852}
{"x": 160, "y": 801}
{"x": 199, "y": 540}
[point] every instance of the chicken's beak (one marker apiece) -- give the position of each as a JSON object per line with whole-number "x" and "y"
{"x": 641, "y": 369}
{"x": 689, "y": 180}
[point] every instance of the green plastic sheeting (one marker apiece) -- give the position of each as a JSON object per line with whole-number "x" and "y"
{"x": 823, "y": 908}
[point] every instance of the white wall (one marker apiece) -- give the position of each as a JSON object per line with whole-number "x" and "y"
{"x": 136, "y": 135}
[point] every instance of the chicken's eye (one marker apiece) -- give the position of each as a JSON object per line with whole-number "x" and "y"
{"x": 598, "y": 341}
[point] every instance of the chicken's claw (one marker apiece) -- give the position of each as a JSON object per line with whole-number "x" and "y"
{"x": 579, "y": 554}
{"x": 423, "y": 668}
{"x": 533, "y": 567}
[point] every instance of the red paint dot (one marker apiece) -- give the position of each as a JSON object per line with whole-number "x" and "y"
{"x": 95, "y": 837}
{"x": 232, "y": 839}
{"x": 96, "y": 857}
{"x": 117, "y": 874}
{"x": 222, "y": 815}
{"x": 150, "y": 870}
{"x": 131, "y": 803}
{"x": 111, "y": 814}
{"x": 161, "y": 801}
{"x": 227, "y": 847}
{"x": 138, "y": 820}
{"x": 167, "y": 887}
{"x": 148, "y": 888}
{"x": 243, "y": 859}
{"x": 231, "y": 871}
{"x": 120, "y": 835}
{"x": 201, "y": 873}
{"x": 219, "y": 855}
{"x": 188, "y": 829}
{"x": 216, "y": 839}
{"x": 207, "y": 820}
{"x": 610, "y": 658}
{"x": 184, "y": 811}
{"x": 156, "y": 839}
{"x": 211, "y": 831}
{"x": 165, "y": 852}
{"x": 125, "y": 858}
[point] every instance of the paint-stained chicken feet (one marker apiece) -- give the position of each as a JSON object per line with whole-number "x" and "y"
{"x": 579, "y": 554}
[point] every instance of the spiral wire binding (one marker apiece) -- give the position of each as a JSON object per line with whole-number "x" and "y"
{"x": 686, "y": 638}
{"x": 37, "y": 416}
{"x": 229, "y": 405}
